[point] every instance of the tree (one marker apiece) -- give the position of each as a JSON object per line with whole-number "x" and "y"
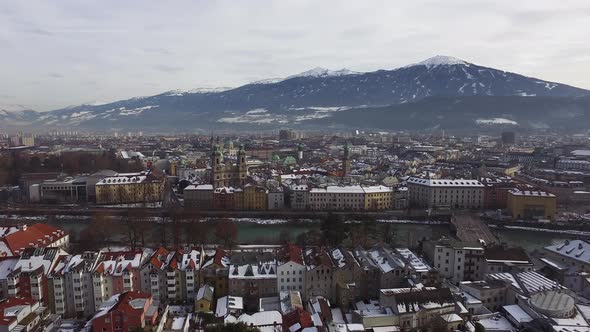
{"x": 226, "y": 232}
{"x": 334, "y": 229}
{"x": 365, "y": 232}
{"x": 388, "y": 233}
{"x": 231, "y": 327}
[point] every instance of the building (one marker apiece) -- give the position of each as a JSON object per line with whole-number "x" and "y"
{"x": 127, "y": 311}
{"x": 204, "y": 299}
{"x": 445, "y": 193}
{"x": 571, "y": 253}
{"x": 215, "y": 272}
{"x": 116, "y": 272}
{"x": 526, "y": 204}
{"x": 455, "y": 260}
{"x": 353, "y": 198}
{"x": 129, "y": 189}
{"x": 493, "y": 294}
{"x": 254, "y": 198}
{"x": 298, "y": 197}
{"x": 291, "y": 270}
{"x": 276, "y": 198}
{"x": 28, "y": 278}
{"x": 16, "y": 239}
{"x": 253, "y": 281}
{"x": 418, "y": 308}
{"x": 508, "y": 138}
{"x": 347, "y": 276}
{"x": 383, "y": 267}
{"x": 70, "y": 285}
{"x": 199, "y": 196}
{"x": 346, "y": 161}
{"x": 68, "y": 190}
{"x": 20, "y": 315}
{"x": 226, "y": 174}
{"x": 506, "y": 259}
{"x": 319, "y": 273}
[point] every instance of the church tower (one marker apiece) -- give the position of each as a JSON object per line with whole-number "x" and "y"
{"x": 346, "y": 160}
{"x": 217, "y": 166}
{"x": 242, "y": 166}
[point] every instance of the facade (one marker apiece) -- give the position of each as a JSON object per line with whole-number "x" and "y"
{"x": 319, "y": 274}
{"x": 225, "y": 198}
{"x": 69, "y": 190}
{"x": 199, "y": 196}
{"x": 525, "y": 204}
{"x": 215, "y": 272}
{"x": 383, "y": 268}
{"x": 291, "y": 270}
{"x": 276, "y": 199}
{"x": 254, "y": 198}
{"x": 226, "y": 174}
{"x": 129, "y": 188}
{"x": 456, "y": 261}
{"x": 492, "y": 293}
{"x": 252, "y": 282}
{"x": 355, "y": 198}
{"x": 19, "y": 315}
{"x": 299, "y": 197}
{"x": 127, "y": 311}
{"x": 445, "y": 193}
{"x": 116, "y": 272}
{"x": 70, "y": 287}
{"x": 417, "y": 308}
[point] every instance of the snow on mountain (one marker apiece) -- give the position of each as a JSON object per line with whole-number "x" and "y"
{"x": 313, "y": 96}
{"x": 439, "y": 60}
{"x": 323, "y": 72}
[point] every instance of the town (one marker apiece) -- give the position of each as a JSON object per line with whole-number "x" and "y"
{"x": 354, "y": 231}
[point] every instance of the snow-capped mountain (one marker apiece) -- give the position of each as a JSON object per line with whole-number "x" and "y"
{"x": 315, "y": 96}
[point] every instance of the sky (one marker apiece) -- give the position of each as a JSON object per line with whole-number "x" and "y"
{"x": 69, "y": 52}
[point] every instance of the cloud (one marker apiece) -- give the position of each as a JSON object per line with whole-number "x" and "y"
{"x": 124, "y": 47}
{"x": 168, "y": 68}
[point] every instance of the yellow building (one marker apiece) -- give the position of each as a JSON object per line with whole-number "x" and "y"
{"x": 525, "y": 204}
{"x": 204, "y": 299}
{"x": 378, "y": 198}
{"x": 224, "y": 173}
{"x": 129, "y": 188}
{"x": 255, "y": 198}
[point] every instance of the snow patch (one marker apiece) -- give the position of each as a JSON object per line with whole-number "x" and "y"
{"x": 496, "y": 121}
{"x": 439, "y": 60}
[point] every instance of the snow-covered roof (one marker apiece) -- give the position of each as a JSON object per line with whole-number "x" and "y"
{"x": 445, "y": 182}
{"x": 578, "y": 250}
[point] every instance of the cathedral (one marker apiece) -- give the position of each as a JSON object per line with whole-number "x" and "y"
{"x": 224, "y": 173}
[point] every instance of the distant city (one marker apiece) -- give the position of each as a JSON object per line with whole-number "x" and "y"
{"x": 295, "y": 230}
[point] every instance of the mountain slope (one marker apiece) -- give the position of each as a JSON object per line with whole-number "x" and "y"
{"x": 302, "y": 99}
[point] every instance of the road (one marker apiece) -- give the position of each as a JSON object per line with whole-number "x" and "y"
{"x": 470, "y": 228}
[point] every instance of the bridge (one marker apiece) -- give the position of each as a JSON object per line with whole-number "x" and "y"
{"x": 470, "y": 228}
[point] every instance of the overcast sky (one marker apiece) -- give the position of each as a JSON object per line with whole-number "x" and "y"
{"x": 59, "y": 53}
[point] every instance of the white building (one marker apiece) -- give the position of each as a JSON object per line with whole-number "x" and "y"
{"x": 457, "y": 262}
{"x": 276, "y": 199}
{"x": 435, "y": 193}
{"x": 291, "y": 270}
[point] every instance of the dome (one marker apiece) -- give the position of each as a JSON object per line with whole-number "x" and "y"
{"x": 555, "y": 304}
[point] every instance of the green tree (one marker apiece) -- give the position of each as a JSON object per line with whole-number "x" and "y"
{"x": 334, "y": 229}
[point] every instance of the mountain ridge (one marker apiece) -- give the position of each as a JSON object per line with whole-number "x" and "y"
{"x": 303, "y": 99}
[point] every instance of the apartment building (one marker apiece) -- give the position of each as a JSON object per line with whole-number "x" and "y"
{"x": 129, "y": 188}
{"x": 252, "y": 282}
{"x": 319, "y": 273}
{"x": 291, "y": 270}
{"x": 456, "y": 261}
{"x": 445, "y": 193}
{"x": 116, "y": 272}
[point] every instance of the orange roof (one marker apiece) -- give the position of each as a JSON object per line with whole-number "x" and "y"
{"x": 37, "y": 235}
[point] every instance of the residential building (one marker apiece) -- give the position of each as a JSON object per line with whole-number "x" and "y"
{"x": 116, "y": 272}
{"x": 456, "y": 261}
{"x": 199, "y": 196}
{"x": 127, "y": 311}
{"x": 204, "y": 299}
{"x": 131, "y": 188}
{"x": 215, "y": 272}
{"x": 291, "y": 270}
{"x": 255, "y": 198}
{"x": 383, "y": 268}
{"x": 276, "y": 199}
{"x": 252, "y": 282}
{"x": 14, "y": 240}
{"x": 319, "y": 273}
{"x": 570, "y": 253}
{"x": 506, "y": 259}
{"x": 526, "y": 204}
{"x": 20, "y": 315}
{"x": 355, "y": 198}
{"x": 445, "y": 193}
{"x": 70, "y": 285}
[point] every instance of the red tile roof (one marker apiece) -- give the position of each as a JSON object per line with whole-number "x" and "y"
{"x": 37, "y": 235}
{"x": 9, "y": 303}
{"x": 297, "y": 316}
